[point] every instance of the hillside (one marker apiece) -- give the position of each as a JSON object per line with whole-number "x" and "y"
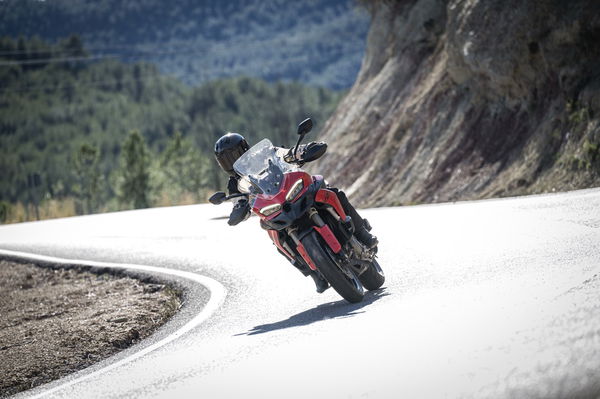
{"x": 316, "y": 42}
{"x": 464, "y": 100}
{"x": 63, "y": 126}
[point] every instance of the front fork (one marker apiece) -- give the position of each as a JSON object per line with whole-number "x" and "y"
{"x": 324, "y": 231}
{"x": 344, "y": 258}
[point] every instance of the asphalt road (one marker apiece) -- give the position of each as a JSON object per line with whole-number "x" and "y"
{"x": 482, "y": 299}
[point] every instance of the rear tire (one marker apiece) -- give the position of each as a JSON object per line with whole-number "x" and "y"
{"x": 373, "y": 278}
{"x": 345, "y": 283}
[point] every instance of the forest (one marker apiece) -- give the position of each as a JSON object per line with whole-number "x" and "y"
{"x": 317, "y": 42}
{"x": 83, "y": 136}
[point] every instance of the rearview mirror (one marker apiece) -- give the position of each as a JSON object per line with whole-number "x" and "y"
{"x": 217, "y": 198}
{"x": 305, "y": 126}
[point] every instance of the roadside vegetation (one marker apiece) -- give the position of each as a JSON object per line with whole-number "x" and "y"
{"x": 79, "y": 138}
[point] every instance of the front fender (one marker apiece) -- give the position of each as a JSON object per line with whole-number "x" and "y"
{"x": 327, "y": 235}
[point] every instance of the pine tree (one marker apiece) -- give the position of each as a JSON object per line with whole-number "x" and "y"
{"x": 4, "y": 211}
{"x": 135, "y": 176}
{"x": 88, "y": 176}
{"x": 183, "y": 167}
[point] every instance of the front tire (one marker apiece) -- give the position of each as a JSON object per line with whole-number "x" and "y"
{"x": 343, "y": 281}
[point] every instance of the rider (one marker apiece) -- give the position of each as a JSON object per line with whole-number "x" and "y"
{"x": 230, "y": 147}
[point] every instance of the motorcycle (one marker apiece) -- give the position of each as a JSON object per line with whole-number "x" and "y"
{"x": 304, "y": 219}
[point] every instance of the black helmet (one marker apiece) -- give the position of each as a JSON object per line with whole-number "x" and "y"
{"x": 228, "y": 149}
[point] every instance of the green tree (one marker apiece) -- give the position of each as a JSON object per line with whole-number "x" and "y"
{"x": 4, "y": 211}
{"x": 88, "y": 175}
{"x": 73, "y": 46}
{"x": 183, "y": 167}
{"x": 35, "y": 191}
{"x": 135, "y": 176}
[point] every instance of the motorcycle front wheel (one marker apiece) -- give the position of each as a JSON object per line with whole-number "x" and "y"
{"x": 342, "y": 279}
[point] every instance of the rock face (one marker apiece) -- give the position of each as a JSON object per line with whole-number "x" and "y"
{"x": 470, "y": 99}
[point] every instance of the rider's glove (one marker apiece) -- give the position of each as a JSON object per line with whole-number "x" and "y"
{"x": 240, "y": 212}
{"x": 306, "y": 153}
{"x": 312, "y": 151}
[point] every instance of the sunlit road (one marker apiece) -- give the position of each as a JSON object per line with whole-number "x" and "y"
{"x": 495, "y": 298}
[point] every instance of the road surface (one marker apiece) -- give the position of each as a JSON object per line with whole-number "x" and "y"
{"x": 496, "y": 298}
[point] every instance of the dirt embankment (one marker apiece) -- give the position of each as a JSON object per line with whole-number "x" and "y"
{"x": 470, "y": 99}
{"x": 57, "y": 321}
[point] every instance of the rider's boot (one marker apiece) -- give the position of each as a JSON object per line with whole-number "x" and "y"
{"x": 361, "y": 226}
{"x": 320, "y": 282}
{"x": 363, "y": 235}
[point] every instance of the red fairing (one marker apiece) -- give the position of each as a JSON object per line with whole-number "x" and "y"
{"x": 329, "y": 237}
{"x": 329, "y": 197}
{"x": 323, "y": 196}
{"x": 288, "y": 181}
{"x": 305, "y": 256}
{"x": 274, "y": 234}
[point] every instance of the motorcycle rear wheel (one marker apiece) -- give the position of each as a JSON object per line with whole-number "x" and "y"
{"x": 373, "y": 278}
{"x": 344, "y": 282}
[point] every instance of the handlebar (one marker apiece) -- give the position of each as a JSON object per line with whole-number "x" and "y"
{"x": 220, "y": 197}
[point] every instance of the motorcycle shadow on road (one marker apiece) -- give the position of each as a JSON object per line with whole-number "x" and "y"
{"x": 331, "y": 310}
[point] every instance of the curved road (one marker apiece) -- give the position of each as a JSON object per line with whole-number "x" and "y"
{"x": 494, "y": 298}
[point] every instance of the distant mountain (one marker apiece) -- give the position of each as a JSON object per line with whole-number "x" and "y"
{"x": 316, "y": 42}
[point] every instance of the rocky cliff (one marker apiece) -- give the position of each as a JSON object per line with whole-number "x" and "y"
{"x": 470, "y": 99}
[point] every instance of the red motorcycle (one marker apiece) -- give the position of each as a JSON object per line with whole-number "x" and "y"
{"x": 304, "y": 219}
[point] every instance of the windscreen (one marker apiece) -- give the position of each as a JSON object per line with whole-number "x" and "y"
{"x": 262, "y": 168}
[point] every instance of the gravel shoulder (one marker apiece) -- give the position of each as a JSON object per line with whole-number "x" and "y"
{"x": 56, "y": 321}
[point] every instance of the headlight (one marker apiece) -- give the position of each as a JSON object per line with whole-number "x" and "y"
{"x": 295, "y": 190}
{"x": 270, "y": 209}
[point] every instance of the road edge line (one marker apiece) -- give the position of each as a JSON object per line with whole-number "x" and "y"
{"x": 217, "y": 297}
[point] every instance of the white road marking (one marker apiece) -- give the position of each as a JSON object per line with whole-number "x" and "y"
{"x": 217, "y": 296}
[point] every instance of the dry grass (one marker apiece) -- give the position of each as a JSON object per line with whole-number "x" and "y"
{"x": 60, "y": 208}
{"x": 48, "y": 209}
